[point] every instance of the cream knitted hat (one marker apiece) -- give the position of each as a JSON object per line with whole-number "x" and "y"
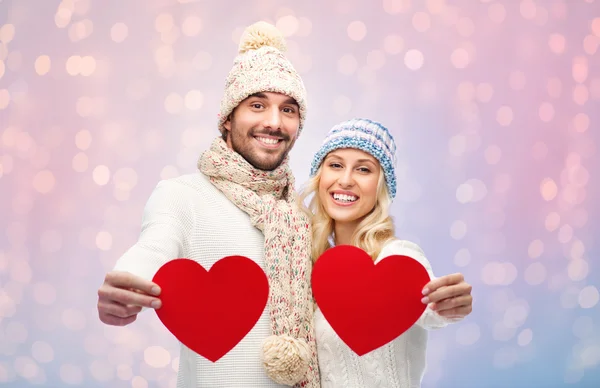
{"x": 261, "y": 67}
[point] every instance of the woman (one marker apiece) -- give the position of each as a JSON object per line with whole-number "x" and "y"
{"x": 353, "y": 183}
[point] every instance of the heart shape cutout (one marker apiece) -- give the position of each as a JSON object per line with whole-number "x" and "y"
{"x": 368, "y": 305}
{"x": 210, "y": 312}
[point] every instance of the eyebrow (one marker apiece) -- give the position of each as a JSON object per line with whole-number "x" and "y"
{"x": 263, "y": 96}
{"x": 363, "y": 160}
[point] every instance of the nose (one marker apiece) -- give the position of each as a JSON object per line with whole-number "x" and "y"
{"x": 272, "y": 119}
{"x": 346, "y": 179}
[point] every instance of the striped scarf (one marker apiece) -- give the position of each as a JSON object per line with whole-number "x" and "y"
{"x": 289, "y": 355}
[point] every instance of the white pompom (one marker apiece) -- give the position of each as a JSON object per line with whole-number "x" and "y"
{"x": 261, "y": 34}
{"x": 285, "y": 359}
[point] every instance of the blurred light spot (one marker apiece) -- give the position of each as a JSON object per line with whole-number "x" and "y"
{"x": 548, "y": 189}
{"x": 573, "y": 375}
{"x": 50, "y": 241}
{"x": 460, "y": 58}
{"x": 124, "y": 372}
{"x": 569, "y": 298}
{"x": 590, "y": 44}
{"x": 101, "y": 175}
{"x": 26, "y": 367}
{"x": 496, "y": 13}
{"x": 536, "y": 248}
{"x": 583, "y": 327}
{"x": 464, "y": 193}
{"x": 580, "y": 94}
{"x": 157, "y": 356}
{"x": 83, "y": 139}
{"x": 44, "y": 293}
{"x": 516, "y": 314}
{"x": 502, "y": 183}
{"x": 528, "y": 9}
{"x": 375, "y": 59}
{"x": 42, "y": 65}
{"x": 484, "y": 92}
{"x": 588, "y": 297}
{"x": 517, "y": 80}
{"x": 458, "y": 230}
{"x": 578, "y": 270}
{"x": 595, "y": 26}
{"x": 44, "y": 181}
{"x": 413, "y": 59}
{"x": 73, "y": 319}
{"x": 42, "y": 352}
{"x": 465, "y": 27}
{"x": 87, "y": 66}
{"x": 95, "y": 345}
{"x": 4, "y": 98}
{"x": 504, "y": 115}
{"x": 85, "y": 106}
{"x": 546, "y": 112}
{"x": 7, "y": 33}
{"x": 580, "y": 69}
{"x": 173, "y": 103}
{"x": 421, "y": 21}
{"x": 581, "y": 122}
{"x": 125, "y": 179}
{"x": 457, "y": 145}
{"x": 2, "y": 68}
{"x": 304, "y": 27}
{"x": 462, "y": 258}
{"x": 468, "y": 334}
{"x": 396, "y": 6}
{"x": 525, "y": 337}
{"x": 493, "y": 154}
{"x": 80, "y": 162}
{"x": 73, "y": 65}
{"x": 565, "y": 234}
{"x": 552, "y": 221}
{"x": 577, "y": 250}
{"x": 393, "y": 44}
{"x": 191, "y": 26}
{"x": 71, "y": 374}
{"x": 139, "y": 382}
{"x": 194, "y": 99}
{"x": 535, "y": 274}
{"x": 101, "y": 370}
{"x": 342, "y": 105}
{"x": 104, "y": 240}
{"x": 357, "y": 30}
{"x": 164, "y": 22}
{"x": 119, "y": 32}
{"x": 590, "y": 356}
{"x": 500, "y": 332}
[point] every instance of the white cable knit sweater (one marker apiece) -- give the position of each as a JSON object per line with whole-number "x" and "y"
{"x": 399, "y": 364}
{"x": 188, "y": 217}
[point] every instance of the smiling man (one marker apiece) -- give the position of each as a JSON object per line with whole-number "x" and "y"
{"x": 240, "y": 202}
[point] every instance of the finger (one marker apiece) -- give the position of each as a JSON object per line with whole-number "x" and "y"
{"x": 117, "y": 309}
{"x": 126, "y": 280}
{"x": 458, "y": 312}
{"x": 116, "y": 321}
{"x": 126, "y": 297}
{"x": 451, "y": 303}
{"x": 449, "y": 292}
{"x": 442, "y": 282}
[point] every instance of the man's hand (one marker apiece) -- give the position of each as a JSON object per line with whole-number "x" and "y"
{"x": 122, "y": 297}
{"x": 450, "y": 296}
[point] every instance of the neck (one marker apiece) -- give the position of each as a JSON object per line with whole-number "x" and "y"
{"x": 343, "y": 232}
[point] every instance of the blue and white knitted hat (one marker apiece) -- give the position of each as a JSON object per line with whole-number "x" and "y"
{"x": 368, "y": 136}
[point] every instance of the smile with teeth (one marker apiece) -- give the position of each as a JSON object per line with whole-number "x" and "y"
{"x": 344, "y": 198}
{"x": 267, "y": 140}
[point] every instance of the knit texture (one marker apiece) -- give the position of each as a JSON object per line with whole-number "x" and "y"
{"x": 366, "y": 135}
{"x": 268, "y": 197}
{"x": 261, "y": 67}
{"x": 400, "y": 363}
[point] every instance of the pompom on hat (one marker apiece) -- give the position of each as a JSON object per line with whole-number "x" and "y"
{"x": 261, "y": 67}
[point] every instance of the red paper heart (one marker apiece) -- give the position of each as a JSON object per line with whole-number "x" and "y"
{"x": 368, "y": 305}
{"x": 211, "y": 312}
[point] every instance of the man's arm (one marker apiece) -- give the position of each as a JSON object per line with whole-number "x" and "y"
{"x": 165, "y": 226}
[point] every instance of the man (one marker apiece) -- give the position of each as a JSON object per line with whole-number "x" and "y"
{"x": 241, "y": 202}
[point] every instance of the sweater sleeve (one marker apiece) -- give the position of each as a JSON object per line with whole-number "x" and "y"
{"x": 430, "y": 319}
{"x": 166, "y": 224}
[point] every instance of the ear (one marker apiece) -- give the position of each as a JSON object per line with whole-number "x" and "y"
{"x": 227, "y": 123}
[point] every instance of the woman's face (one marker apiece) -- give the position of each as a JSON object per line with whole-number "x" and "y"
{"x": 348, "y": 184}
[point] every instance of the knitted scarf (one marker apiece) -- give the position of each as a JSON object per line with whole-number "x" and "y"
{"x": 268, "y": 197}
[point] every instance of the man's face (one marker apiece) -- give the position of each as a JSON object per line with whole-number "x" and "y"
{"x": 263, "y": 129}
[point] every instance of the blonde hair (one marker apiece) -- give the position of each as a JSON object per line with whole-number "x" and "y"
{"x": 371, "y": 234}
